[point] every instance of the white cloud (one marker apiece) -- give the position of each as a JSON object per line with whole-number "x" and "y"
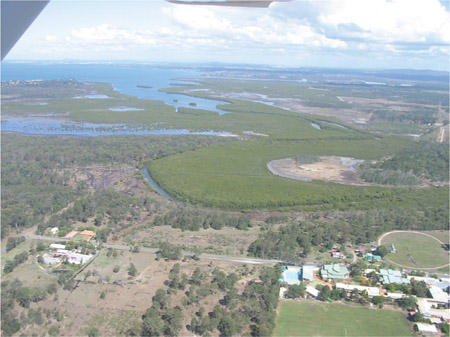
{"x": 107, "y": 34}
{"x": 383, "y": 21}
{"x": 307, "y": 30}
{"x": 244, "y": 29}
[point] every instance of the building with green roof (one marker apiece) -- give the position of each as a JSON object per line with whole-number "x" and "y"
{"x": 334, "y": 271}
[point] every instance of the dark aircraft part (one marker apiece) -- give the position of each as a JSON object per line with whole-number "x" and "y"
{"x": 17, "y": 16}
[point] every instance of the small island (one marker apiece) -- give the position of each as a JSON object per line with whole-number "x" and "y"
{"x": 143, "y": 86}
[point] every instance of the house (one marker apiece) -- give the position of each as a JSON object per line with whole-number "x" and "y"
{"x": 334, "y": 271}
{"x": 312, "y": 291}
{"x": 75, "y": 258}
{"x": 372, "y": 257}
{"x": 396, "y": 296}
{"x": 371, "y": 291}
{"x": 54, "y": 230}
{"x": 47, "y": 259}
{"x": 388, "y": 276}
{"x": 88, "y": 234}
{"x": 336, "y": 254}
{"x": 442, "y": 283}
{"x": 425, "y": 328}
{"x": 57, "y": 246}
{"x": 438, "y": 295}
{"x": 425, "y": 306}
{"x": 307, "y": 273}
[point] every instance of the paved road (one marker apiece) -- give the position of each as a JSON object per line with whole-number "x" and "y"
{"x": 154, "y": 250}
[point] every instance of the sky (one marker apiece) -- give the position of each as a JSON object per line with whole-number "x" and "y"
{"x": 386, "y": 34}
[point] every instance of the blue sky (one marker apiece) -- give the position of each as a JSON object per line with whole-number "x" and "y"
{"x": 319, "y": 33}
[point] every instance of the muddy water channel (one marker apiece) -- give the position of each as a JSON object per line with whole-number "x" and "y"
{"x": 156, "y": 186}
{"x": 49, "y": 126}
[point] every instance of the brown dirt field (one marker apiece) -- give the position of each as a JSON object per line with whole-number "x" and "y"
{"x": 126, "y": 298}
{"x": 330, "y": 169}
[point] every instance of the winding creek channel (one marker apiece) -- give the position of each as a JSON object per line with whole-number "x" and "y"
{"x": 156, "y": 186}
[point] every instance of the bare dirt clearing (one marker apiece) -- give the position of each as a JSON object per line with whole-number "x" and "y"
{"x": 126, "y": 298}
{"x": 330, "y": 169}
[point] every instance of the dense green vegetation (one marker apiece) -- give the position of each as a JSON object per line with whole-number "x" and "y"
{"x": 14, "y": 292}
{"x": 389, "y": 177}
{"x": 235, "y": 176}
{"x": 194, "y": 218}
{"x": 36, "y": 172}
{"x": 297, "y": 238}
{"x": 426, "y": 160}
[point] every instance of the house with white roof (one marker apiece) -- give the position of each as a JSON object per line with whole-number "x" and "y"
{"x": 371, "y": 291}
{"x": 428, "y": 309}
{"x": 426, "y": 328}
{"x": 438, "y": 295}
{"x": 312, "y": 291}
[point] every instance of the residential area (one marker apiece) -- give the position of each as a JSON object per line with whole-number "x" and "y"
{"x": 372, "y": 282}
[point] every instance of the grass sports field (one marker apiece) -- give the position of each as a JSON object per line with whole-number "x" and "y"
{"x": 415, "y": 250}
{"x": 316, "y": 319}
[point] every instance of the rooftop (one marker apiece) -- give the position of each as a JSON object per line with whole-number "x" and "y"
{"x": 334, "y": 271}
{"x": 388, "y": 276}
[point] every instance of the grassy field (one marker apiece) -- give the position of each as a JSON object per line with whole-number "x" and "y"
{"x": 315, "y": 319}
{"x": 29, "y": 272}
{"x": 415, "y": 250}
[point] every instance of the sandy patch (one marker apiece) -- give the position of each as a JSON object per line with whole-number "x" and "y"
{"x": 331, "y": 169}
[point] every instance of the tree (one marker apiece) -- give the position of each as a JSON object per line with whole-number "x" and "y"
{"x": 378, "y": 300}
{"x": 419, "y": 289}
{"x": 325, "y": 293}
{"x": 92, "y": 331}
{"x": 407, "y": 302}
{"x": 382, "y": 251}
{"x": 152, "y": 324}
{"x": 132, "y": 271}
{"x": 357, "y": 268}
{"x": 169, "y": 251}
{"x": 229, "y": 325}
{"x": 295, "y": 291}
{"x": 9, "y": 267}
{"x": 172, "y": 318}
{"x": 24, "y": 297}
{"x": 160, "y": 300}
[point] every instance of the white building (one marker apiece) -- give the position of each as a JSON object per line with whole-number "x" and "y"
{"x": 438, "y": 294}
{"x": 371, "y": 291}
{"x": 426, "y": 328}
{"x": 57, "y": 246}
{"x": 425, "y": 306}
{"x": 47, "y": 259}
{"x": 76, "y": 258}
{"x": 312, "y": 291}
{"x": 54, "y": 230}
